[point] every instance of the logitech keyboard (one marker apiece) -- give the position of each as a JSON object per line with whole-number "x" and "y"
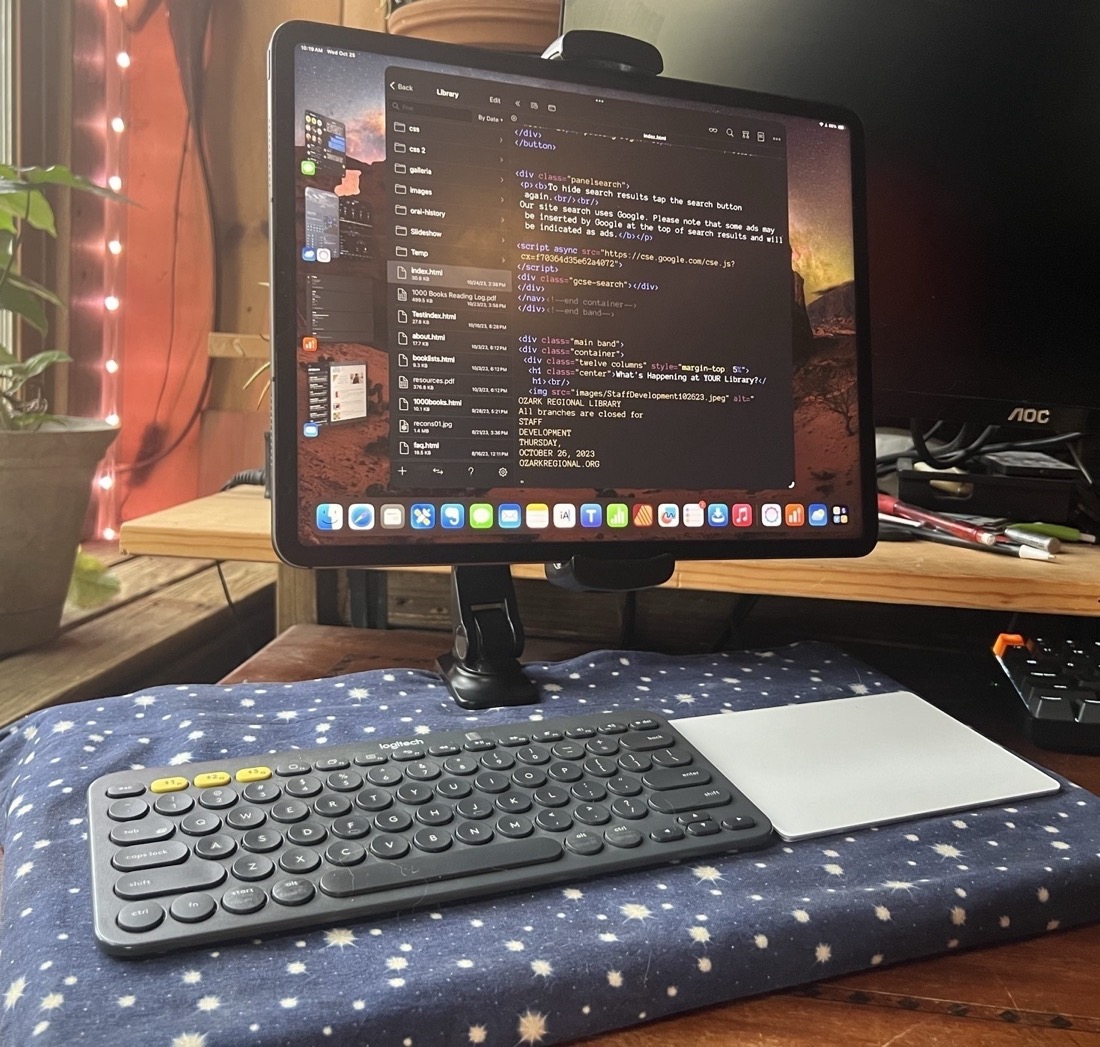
{"x": 188, "y": 855}
{"x": 1058, "y": 682}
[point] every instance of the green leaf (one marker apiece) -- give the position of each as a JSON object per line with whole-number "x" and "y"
{"x": 35, "y": 365}
{"x": 25, "y": 420}
{"x": 33, "y": 286}
{"x": 22, "y": 303}
{"x": 19, "y": 300}
{"x": 56, "y": 174}
{"x": 92, "y": 583}
{"x": 29, "y": 205}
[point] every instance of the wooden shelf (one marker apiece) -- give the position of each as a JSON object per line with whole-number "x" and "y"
{"x": 236, "y": 525}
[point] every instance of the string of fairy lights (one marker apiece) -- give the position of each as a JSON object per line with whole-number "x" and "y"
{"x": 116, "y": 66}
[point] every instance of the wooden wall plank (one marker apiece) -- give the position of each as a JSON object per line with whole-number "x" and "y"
{"x": 122, "y": 650}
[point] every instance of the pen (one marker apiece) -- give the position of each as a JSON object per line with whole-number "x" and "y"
{"x": 1022, "y": 536}
{"x": 980, "y": 535}
{"x": 1022, "y": 552}
{"x": 1059, "y": 531}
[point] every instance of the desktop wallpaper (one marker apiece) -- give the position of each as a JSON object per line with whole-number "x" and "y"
{"x": 352, "y": 459}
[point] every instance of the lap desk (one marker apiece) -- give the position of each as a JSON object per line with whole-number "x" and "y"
{"x": 536, "y": 967}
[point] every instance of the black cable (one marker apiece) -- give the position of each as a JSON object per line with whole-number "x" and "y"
{"x": 951, "y": 455}
{"x": 246, "y": 477}
{"x": 242, "y": 633}
{"x": 944, "y": 460}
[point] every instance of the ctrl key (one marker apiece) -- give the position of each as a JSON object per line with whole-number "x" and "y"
{"x": 140, "y": 917}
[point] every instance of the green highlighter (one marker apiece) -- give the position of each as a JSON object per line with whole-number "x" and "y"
{"x": 1062, "y": 532}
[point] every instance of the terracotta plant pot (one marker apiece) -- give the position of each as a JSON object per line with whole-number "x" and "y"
{"x": 45, "y": 485}
{"x": 505, "y": 25}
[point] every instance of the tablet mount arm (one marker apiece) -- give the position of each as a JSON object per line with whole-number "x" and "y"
{"x": 482, "y": 670}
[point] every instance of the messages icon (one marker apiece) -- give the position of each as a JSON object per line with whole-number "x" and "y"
{"x": 481, "y": 515}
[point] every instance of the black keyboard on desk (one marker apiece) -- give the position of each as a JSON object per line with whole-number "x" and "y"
{"x": 189, "y": 855}
{"x": 1058, "y": 682}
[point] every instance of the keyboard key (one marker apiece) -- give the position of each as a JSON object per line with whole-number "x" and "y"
{"x": 1058, "y": 682}
{"x": 584, "y": 842}
{"x": 553, "y": 820}
{"x": 127, "y": 810}
{"x": 220, "y": 845}
{"x": 689, "y": 799}
{"x": 389, "y": 847}
{"x": 200, "y": 823}
{"x": 253, "y": 774}
{"x": 643, "y": 741}
{"x": 193, "y": 908}
{"x": 292, "y": 892}
{"x": 676, "y": 778}
{"x": 667, "y": 834}
{"x": 431, "y": 840}
{"x": 252, "y": 867}
{"x": 173, "y": 803}
{"x": 515, "y": 828}
{"x": 622, "y": 836}
{"x": 244, "y": 900}
{"x": 123, "y": 790}
{"x": 141, "y": 832}
{"x": 308, "y": 833}
{"x": 260, "y": 841}
{"x": 345, "y": 853}
{"x": 353, "y": 827}
{"x": 474, "y": 832}
{"x": 140, "y": 918}
{"x": 246, "y": 818}
{"x": 150, "y": 855}
{"x": 262, "y": 792}
{"x": 195, "y": 876}
{"x": 513, "y": 854}
{"x": 217, "y": 799}
{"x": 303, "y": 786}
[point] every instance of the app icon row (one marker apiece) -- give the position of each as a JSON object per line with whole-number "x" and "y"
{"x": 537, "y": 516}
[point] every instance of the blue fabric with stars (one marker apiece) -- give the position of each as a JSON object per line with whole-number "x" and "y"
{"x": 532, "y": 968}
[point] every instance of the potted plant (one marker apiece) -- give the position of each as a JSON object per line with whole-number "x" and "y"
{"x": 509, "y": 25}
{"x": 47, "y": 462}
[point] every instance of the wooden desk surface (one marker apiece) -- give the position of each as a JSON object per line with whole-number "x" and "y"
{"x": 1042, "y": 992}
{"x": 236, "y": 525}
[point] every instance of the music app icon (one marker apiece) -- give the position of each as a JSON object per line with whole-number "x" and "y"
{"x": 741, "y": 514}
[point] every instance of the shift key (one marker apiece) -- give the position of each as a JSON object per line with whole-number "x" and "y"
{"x": 679, "y": 800}
{"x": 153, "y": 883}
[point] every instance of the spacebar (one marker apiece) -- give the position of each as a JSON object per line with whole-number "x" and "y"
{"x": 407, "y": 872}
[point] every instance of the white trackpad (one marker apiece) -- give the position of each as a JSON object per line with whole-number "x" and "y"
{"x": 848, "y": 763}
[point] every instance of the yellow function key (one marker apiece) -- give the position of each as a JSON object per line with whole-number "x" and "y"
{"x": 168, "y": 785}
{"x": 253, "y": 774}
{"x": 212, "y": 779}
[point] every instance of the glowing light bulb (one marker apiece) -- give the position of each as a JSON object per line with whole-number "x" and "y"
{"x": 106, "y": 482}
{"x": 111, "y": 367}
{"x": 114, "y": 246}
{"x": 110, "y": 534}
{"x": 111, "y": 303}
{"x": 118, "y": 125}
{"x": 111, "y": 419}
{"x": 123, "y": 60}
{"x": 115, "y": 183}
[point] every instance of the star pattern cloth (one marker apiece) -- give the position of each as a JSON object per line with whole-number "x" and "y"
{"x": 528, "y": 968}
